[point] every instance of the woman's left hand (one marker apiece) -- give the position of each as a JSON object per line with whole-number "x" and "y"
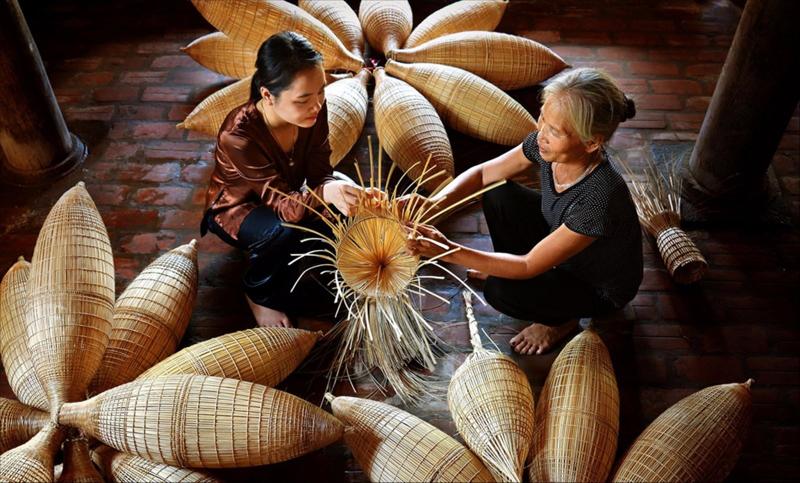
{"x": 426, "y": 241}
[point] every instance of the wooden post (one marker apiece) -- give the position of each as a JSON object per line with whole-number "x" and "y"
{"x": 35, "y": 144}
{"x": 749, "y": 111}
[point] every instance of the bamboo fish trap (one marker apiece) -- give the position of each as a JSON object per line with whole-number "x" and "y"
{"x": 698, "y": 439}
{"x": 465, "y": 15}
{"x": 150, "y": 317}
{"x": 128, "y": 468}
{"x": 577, "y": 418}
{"x": 71, "y": 297}
{"x": 507, "y": 61}
{"x": 18, "y": 423}
{"x": 14, "y": 338}
{"x": 347, "y": 111}
{"x": 341, "y": 19}
{"x": 222, "y": 54}
{"x": 492, "y": 404}
{"x": 468, "y": 103}
{"x": 203, "y": 422}
{"x": 410, "y": 130}
{"x": 261, "y": 355}
{"x": 208, "y": 116}
{"x": 392, "y": 445}
{"x": 253, "y": 22}
{"x": 78, "y": 466}
{"x": 33, "y": 461}
{"x": 387, "y": 23}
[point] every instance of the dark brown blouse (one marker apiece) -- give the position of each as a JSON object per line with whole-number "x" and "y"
{"x": 249, "y": 160}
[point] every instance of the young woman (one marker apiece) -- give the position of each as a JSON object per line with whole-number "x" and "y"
{"x": 277, "y": 140}
{"x": 572, "y": 250}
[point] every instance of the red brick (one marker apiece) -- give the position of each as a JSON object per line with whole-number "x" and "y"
{"x": 649, "y": 25}
{"x": 658, "y": 101}
{"x": 663, "y": 54}
{"x": 166, "y": 94}
{"x": 684, "y": 40}
{"x": 120, "y": 150}
{"x": 655, "y": 401}
{"x": 770, "y": 363}
{"x": 197, "y": 173}
{"x": 138, "y": 112}
{"x": 707, "y": 55}
{"x": 173, "y": 61}
{"x": 143, "y": 77}
{"x": 613, "y": 68}
{"x": 158, "y": 47}
{"x": 129, "y": 62}
{"x": 199, "y": 136}
{"x": 542, "y": 36}
{"x": 675, "y": 86}
{"x": 126, "y": 269}
{"x": 69, "y": 95}
{"x": 89, "y": 113}
{"x": 182, "y": 219}
{"x": 646, "y": 120}
{"x": 159, "y": 173}
{"x": 709, "y": 369}
{"x": 108, "y": 194}
{"x": 116, "y": 93}
{"x": 651, "y": 370}
{"x": 703, "y": 71}
{"x": 630, "y": 86}
{"x": 736, "y": 339}
{"x": 150, "y": 243}
{"x": 178, "y": 112}
{"x": 656, "y": 280}
{"x": 82, "y": 63}
{"x": 570, "y": 52}
{"x": 212, "y": 244}
{"x": 195, "y": 77}
{"x": 621, "y": 53}
{"x": 786, "y": 378}
{"x": 171, "y": 195}
{"x": 657, "y": 330}
{"x": 91, "y": 79}
{"x": 156, "y": 130}
{"x": 648, "y": 344}
{"x": 652, "y": 68}
{"x": 685, "y": 121}
{"x": 101, "y": 171}
{"x": 130, "y": 218}
{"x": 583, "y": 37}
{"x": 636, "y": 39}
{"x": 173, "y": 151}
{"x": 698, "y": 103}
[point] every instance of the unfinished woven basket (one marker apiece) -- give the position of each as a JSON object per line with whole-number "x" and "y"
{"x": 203, "y": 422}
{"x": 577, "y": 417}
{"x": 207, "y": 117}
{"x": 681, "y": 256}
{"x": 150, "y": 317}
{"x": 386, "y": 23}
{"x": 33, "y": 461}
{"x": 18, "y": 423}
{"x": 253, "y": 22}
{"x": 222, "y": 54}
{"x": 507, "y": 61}
{"x": 341, "y": 19}
{"x": 410, "y": 130}
{"x": 699, "y": 438}
{"x": 261, "y": 355}
{"x": 347, "y": 111}
{"x": 468, "y": 103}
{"x": 78, "y": 466}
{"x": 392, "y": 445}
{"x": 14, "y": 338}
{"x": 128, "y": 468}
{"x": 70, "y": 297}
{"x": 466, "y": 15}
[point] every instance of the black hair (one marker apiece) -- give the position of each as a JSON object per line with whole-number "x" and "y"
{"x": 278, "y": 61}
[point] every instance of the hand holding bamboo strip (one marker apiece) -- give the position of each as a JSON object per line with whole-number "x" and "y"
{"x": 78, "y": 466}
{"x": 462, "y": 16}
{"x": 14, "y": 338}
{"x": 699, "y": 438}
{"x": 71, "y": 297}
{"x": 577, "y": 417}
{"x": 264, "y": 355}
{"x": 222, "y": 54}
{"x": 347, "y": 111}
{"x": 203, "y": 422}
{"x": 207, "y": 117}
{"x": 341, "y": 19}
{"x": 33, "y": 461}
{"x": 150, "y": 317}
{"x": 18, "y": 423}
{"x": 386, "y": 23}
{"x": 127, "y": 468}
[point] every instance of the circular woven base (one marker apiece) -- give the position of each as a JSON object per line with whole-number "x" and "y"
{"x": 681, "y": 256}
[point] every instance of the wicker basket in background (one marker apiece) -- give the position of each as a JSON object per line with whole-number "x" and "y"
{"x": 386, "y": 23}
{"x": 347, "y": 111}
{"x": 18, "y": 423}
{"x": 78, "y": 466}
{"x": 462, "y": 16}
{"x": 222, "y": 54}
{"x": 341, "y": 19}
{"x": 128, "y": 468}
{"x": 681, "y": 256}
{"x": 34, "y": 460}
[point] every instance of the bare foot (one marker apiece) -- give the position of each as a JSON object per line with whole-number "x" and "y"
{"x": 476, "y": 274}
{"x": 267, "y": 317}
{"x": 539, "y": 338}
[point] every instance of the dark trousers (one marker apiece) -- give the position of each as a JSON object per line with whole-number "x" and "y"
{"x": 513, "y": 214}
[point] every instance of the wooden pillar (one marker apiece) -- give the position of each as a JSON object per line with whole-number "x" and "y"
{"x": 752, "y": 104}
{"x": 35, "y": 144}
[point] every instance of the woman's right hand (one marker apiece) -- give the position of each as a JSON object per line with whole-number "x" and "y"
{"x": 413, "y": 204}
{"x": 343, "y": 195}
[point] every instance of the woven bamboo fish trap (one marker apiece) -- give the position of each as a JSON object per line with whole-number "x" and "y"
{"x": 341, "y": 19}
{"x": 699, "y": 438}
{"x": 222, "y": 54}
{"x": 410, "y": 130}
{"x": 33, "y": 461}
{"x": 507, "y": 61}
{"x": 577, "y": 417}
{"x": 466, "y": 15}
{"x": 14, "y": 338}
{"x": 203, "y": 422}
{"x": 208, "y": 116}
{"x": 261, "y": 355}
{"x": 128, "y": 468}
{"x": 386, "y": 23}
{"x": 347, "y": 111}
{"x": 491, "y": 403}
{"x": 468, "y": 103}
{"x": 18, "y": 423}
{"x": 392, "y": 445}
{"x": 70, "y": 297}
{"x": 150, "y": 317}
{"x": 251, "y": 22}
{"x": 78, "y": 466}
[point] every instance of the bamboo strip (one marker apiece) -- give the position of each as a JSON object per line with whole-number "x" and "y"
{"x": 347, "y": 112}
{"x": 341, "y": 19}
{"x": 222, "y": 54}
{"x": 127, "y": 468}
{"x": 207, "y": 117}
{"x": 18, "y": 423}
{"x": 462, "y": 16}
{"x": 34, "y": 460}
{"x": 386, "y": 23}
{"x": 78, "y": 466}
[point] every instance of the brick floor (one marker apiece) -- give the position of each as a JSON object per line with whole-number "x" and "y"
{"x": 122, "y": 84}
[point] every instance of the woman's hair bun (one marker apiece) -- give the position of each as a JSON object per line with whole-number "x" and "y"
{"x": 630, "y": 109}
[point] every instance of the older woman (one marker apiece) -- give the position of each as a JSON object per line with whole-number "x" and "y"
{"x": 571, "y": 250}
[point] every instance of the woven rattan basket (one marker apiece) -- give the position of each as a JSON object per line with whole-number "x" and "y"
{"x": 222, "y": 54}
{"x": 466, "y": 15}
{"x": 468, "y": 103}
{"x": 207, "y": 117}
{"x": 410, "y": 130}
{"x": 71, "y": 297}
{"x": 392, "y": 445}
{"x": 78, "y": 466}
{"x": 128, "y": 468}
{"x": 262, "y": 355}
{"x": 18, "y": 423}
{"x": 14, "y": 339}
{"x": 698, "y": 439}
{"x": 347, "y": 111}
{"x": 507, "y": 61}
{"x": 577, "y": 416}
{"x": 33, "y": 461}
{"x": 681, "y": 256}
{"x": 251, "y": 23}
{"x": 203, "y": 422}
{"x": 341, "y": 19}
{"x": 150, "y": 317}
{"x": 386, "y": 23}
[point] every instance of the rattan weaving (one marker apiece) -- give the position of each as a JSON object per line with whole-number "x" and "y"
{"x": 681, "y": 256}
{"x": 78, "y": 466}
{"x": 128, "y": 468}
{"x": 386, "y": 23}
{"x": 222, "y": 54}
{"x": 207, "y": 117}
{"x": 33, "y": 461}
{"x": 341, "y": 19}
{"x": 462, "y": 16}
{"x": 347, "y": 111}
{"x": 18, "y": 423}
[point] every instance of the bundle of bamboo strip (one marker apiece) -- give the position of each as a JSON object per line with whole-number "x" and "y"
{"x": 491, "y": 402}
{"x": 392, "y": 445}
{"x": 78, "y": 466}
{"x": 387, "y": 23}
{"x": 577, "y": 418}
{"x": 347, "y": 111}
{"x": 699, "y": 438}
{"x": 150, "y": 317}
{"x": 34, "y": 460}
{"x": 128, "y": 468}
{"x": 18, "y": 423}
{"x": 341, "y": 19}
{"x": 207, "y": 117}
{"x": 222, "y": 54}
{"x": 462, "y": 16}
